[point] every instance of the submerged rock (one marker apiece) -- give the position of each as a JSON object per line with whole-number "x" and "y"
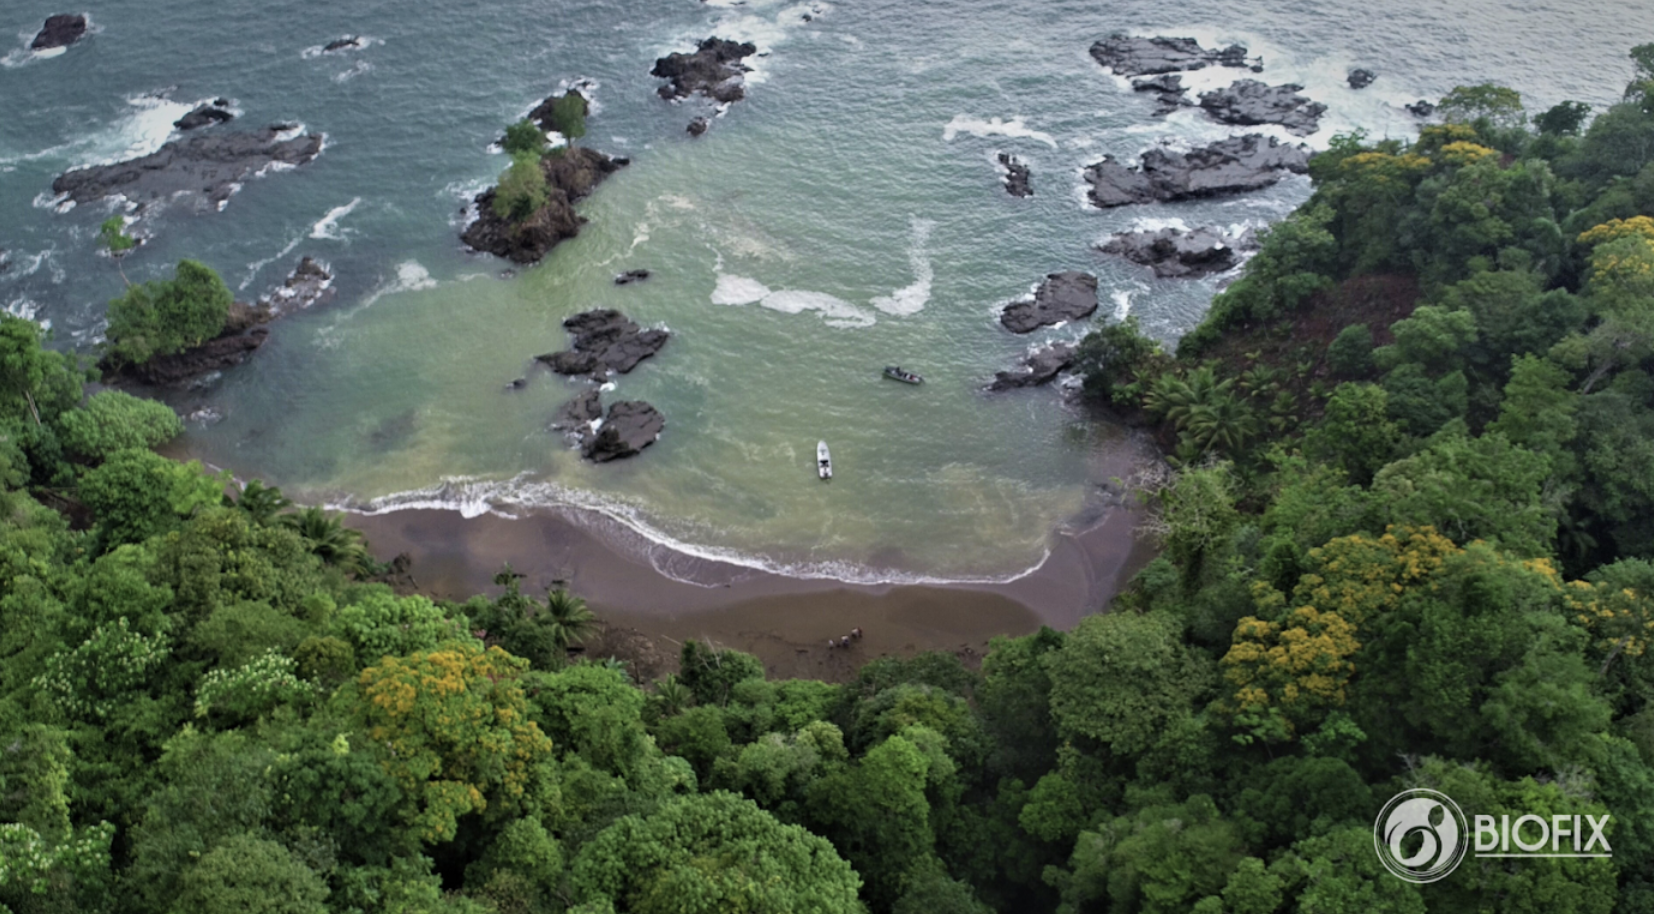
{"x": 1168, "y": 92}
{"x": 1129, "y": 55}
{"x": 60, "y": 31}
{"x": 207, "y": 169}
{"x": 631, "y": 276}
{"x": 605, "y": 343}
{"x": 214, "y": 112}
{"x": 1420, "y": 108}
{"x": 698, "y": 126}
{"x": 1178, "y": 254}
{"x": 631, "y": 426}
{"x": 1249, "y": 103}
{"x": 1360, "y": 78}
{"x": 1017, "y": 177}
{"x": 1039, "y": 368}
{"x": 347, "y": 43}
{"x": 713, "y": 70}
{"x": 1065, "y": 296}
{"x": 1229, "y": 166}
{"x": 569, "y": 177}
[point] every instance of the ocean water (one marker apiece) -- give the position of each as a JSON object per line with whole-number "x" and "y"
{"x": 847, "y": 215}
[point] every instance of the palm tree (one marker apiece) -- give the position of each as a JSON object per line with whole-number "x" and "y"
{"x": 262, "y": 502}
{"x": 568, "y": 619}
{"x": 330, "y": 539}
{"x": 672, "y": 695}
{"x": 1223, "y": 422}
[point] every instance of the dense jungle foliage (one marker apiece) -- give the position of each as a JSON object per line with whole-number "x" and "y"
{"x": 1408, "y": 541}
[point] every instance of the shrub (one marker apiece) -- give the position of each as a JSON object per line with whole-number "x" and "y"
{"x": 112, "y": 421}
{"x": 1351, "y": 353}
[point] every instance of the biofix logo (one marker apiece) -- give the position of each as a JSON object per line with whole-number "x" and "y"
{"x": 1421, "y": 835}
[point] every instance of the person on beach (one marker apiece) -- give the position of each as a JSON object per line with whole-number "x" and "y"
{"x": 856, "y": 633}
{"x": 844, "y": 641}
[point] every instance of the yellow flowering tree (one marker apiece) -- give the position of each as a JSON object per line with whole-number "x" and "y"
{"x": 1282, "y": 673}
{"x": 455, "y": 732}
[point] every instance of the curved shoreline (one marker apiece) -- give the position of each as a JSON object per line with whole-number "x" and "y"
{"x": 785, "y": 620}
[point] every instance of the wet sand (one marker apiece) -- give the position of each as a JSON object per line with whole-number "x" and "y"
{"x": 785, "y": 621}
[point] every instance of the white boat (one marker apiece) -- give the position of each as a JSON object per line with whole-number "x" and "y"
{"x": 824, "y": 460}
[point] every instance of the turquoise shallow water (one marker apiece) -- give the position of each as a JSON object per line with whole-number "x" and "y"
{"x": 845, "y": 216}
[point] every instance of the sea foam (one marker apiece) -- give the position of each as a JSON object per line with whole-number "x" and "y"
{"x": 994, "y": 126}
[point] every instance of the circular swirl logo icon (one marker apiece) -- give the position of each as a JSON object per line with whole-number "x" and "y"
{"x": 1420, "y": 835}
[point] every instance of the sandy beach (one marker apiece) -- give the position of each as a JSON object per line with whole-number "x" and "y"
{"x": 643, "y": 591}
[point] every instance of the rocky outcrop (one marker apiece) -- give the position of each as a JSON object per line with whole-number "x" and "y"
{"x": 698, "y": 126}
{"x": 1039, "y": 368}
{"x": 569, "y": 178}
{"x": 578, "y": 414}
{"x": 1420, "y": 108}
{"x": 1017, "y": 177}
{"x": 1249, "y": 103}
{"x": 1229, "y": 166}
{"x": 713, "y": 70}
{"x": 205, "y": 114}
{"x": 205, "y": 169}
{"x": 60, "y": 31}
{"x": 605, "y": 343}
{"x": 1061, "y": 297}
{"x": 631, "y": 276}
{"x": 1167, "y": 90}
{"x": 245, "y": 329}
{"x": 347, "y": 43}
{"x": 1129, "y": 55}
{"x": 309, "y": 284}
{"x": 1360, "y": 78}
{"x": 630, "y": 426}
{"x": 1179, "y": 254}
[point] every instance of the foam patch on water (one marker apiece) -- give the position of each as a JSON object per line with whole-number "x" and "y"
{"x": 738, "y": 290}
{"x": 911, "y": 299}
{"x": 358, "y": 69}
{"x": 836, "y": 311}
{"x": 625, "y": 525}
{"x": 411, "y": 276}
{"x": 994, "y": 126}
{"x": 26, "y": 309}
{"x": 328, "y": 226}
{"x": 143, "y": 130}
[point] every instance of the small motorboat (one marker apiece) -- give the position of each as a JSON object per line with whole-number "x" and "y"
{"x": 895, "y": 373}
{"x": 824, "y": 460}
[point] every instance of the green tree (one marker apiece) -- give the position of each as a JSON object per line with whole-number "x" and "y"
{"x": 1356, "y": 433}
{"x": 1563, "y": 119}
{"x": 1122, "y": 679}
{"x": 261, "y": 502}
{"x": 524, "y": 138}
{"x": 1350, "y": 355}
{"x": 522, "y": 189}
{"x": 711, "y": 853}
{"x": 114, "y": 420}
{"x": 162, "y": 317}
{"x": 138, "y": 493}
{"x": 568, "y": 116}
{"x": 1500, "y": 105}
{"x": 251, "y": 875}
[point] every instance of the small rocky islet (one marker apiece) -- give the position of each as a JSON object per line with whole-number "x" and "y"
{"x": 606, "y": 343}
{"x": 60, "y": 31}
{"x": 204, "y": 170}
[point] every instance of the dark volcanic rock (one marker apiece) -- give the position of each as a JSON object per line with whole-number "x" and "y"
{"x": 1421, "y": 108}
{"x": 347, "y": 43}
{"x": 698, "y": 126}
{"x": 1133, "y": 56}
{"x": 1061, "y": 297}
{"x": 1039, "y": 368}
{"x": 1249, "y": 102}
{"x": 1229, "y": 166}
{"x": 1168, "y": 92}
{"x": 60, "y": 31}
{"x": 309, "y": 284}
{"x": 605, "y": 342}
{"x": 578, "y": 414}
{"x": 1174, "y": 253}
{"x": 569, "y": 177}
{"x": 1361, "y": 78}
{"x": 631, "y": 426}
{"x": 714, "y": 70}
{"x": 631, "y": 276}
{"x": 208, "y": 168}
{"x": 209, "y": 113}
{"x": 228, "y": 349}
{"x": 1017, "y": 176}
